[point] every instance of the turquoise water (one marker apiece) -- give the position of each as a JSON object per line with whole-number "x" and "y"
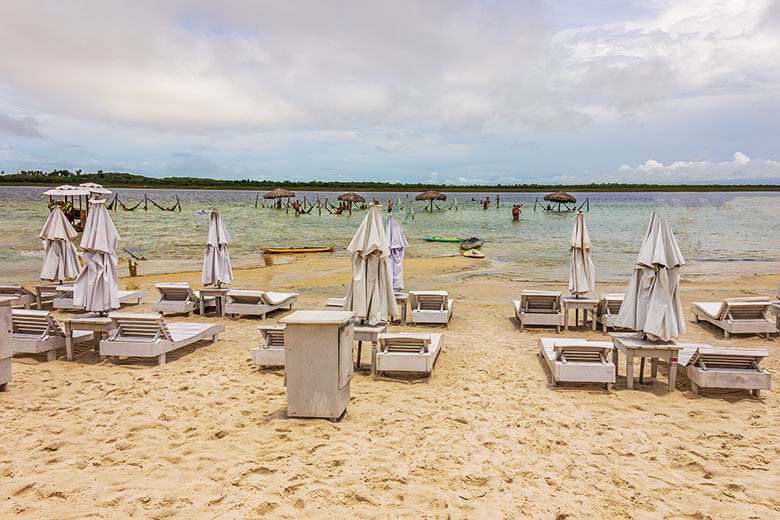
{"x": 718, "y": 232}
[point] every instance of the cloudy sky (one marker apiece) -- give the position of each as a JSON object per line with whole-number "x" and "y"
{"x": 445, "y": 90}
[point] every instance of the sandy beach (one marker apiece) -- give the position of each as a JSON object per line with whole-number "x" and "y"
{"x": 487, "y": 436}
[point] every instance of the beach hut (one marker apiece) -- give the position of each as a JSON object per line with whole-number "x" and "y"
{"x": 397, "y": 245}
{"x": 582, "y": 274}
{"x": 370, "y": 293}
{"x": 96, "y": 288}
{"x": 60, "y": 259}
{"x": 652, "y": 302}
{"x": 216, "y": 261}
{"x": 279, "y": 193}
{"x": 561, "y": 197}
{"x": 431, "y": 195}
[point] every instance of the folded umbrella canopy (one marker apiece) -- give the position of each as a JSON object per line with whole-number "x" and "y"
{"x": 582, "y": 275}
{"x": 370, "y": 294}
{"x": 397, "y": 244}
{"x": 60, "y": 259}
{"x": 96, "y": 288}
{"x": 652, "y": 302}
{"x": 216, "y": 262}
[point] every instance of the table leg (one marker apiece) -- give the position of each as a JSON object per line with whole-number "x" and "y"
{"x": 615, "y": 359}
{"x": 672, "y": 375}
{"x": 38, "y": 304}
{"x": 360, "y": 350}
{"x": 641, "y": 371}
{"x": 576, "y": 317}
{"x": 68, "y": 341}
{"x": 96, "y": 340}
{"x": 566, "y": 318}
{"x": 629, "y": 370}
{"x": 201, "y": 307}
{"x": 593, "y": 320}
{"x": 373, "y": 358}
{"x": 653, "y": 367}
{"x": 403, "y": 314}
{"x": 222, "y": 306}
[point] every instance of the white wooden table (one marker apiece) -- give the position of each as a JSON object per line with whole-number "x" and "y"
{"x": 220, "y": 293}
{"x": 44, "y": 291}
{"x": 97, "y": 324}
{"x": 584, "y": 304}
{"x": 401, "y": 298}
{"x": 632, "y": 345}
{"x": 369, "y": 333}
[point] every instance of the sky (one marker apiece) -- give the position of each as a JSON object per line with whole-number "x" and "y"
{"x": 445, "y": 91}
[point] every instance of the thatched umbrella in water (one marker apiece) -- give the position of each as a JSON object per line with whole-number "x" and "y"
{"x": 279, "y": 193}
{"x": 431, "y": 195}
{"x": 351, "y": 197}
{"x": 559, "y": 197}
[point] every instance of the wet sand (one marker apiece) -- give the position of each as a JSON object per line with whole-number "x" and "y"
{"x": 206, "y": 435}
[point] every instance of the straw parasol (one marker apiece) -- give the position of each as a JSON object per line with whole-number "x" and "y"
{"x": 431, "y": 195}
{"x": 60, "y": 259}
{"x": 216, "y": 262}
{"x": 96, "y": 288}
{"x": 279, "y": 193}
{"x": 397, "y": 244}
{"x": 560, "y": 197}
{"x": 582, "y": 275}
{"x": 370, "y": 294}
{"x": 652, "y": 302}
{"x": 351, "y": 197}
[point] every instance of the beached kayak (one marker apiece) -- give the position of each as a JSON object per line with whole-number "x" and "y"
{"x": 473, "y": 253}
{"x": 438, "y": 239}
{"x": 297, "y": 250}
{"x": 471, "y": 243}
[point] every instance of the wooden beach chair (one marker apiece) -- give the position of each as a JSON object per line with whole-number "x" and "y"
{"x": 271, "y": 352}
{"x": 257, "y": 303}
{"x": 64, "y": 299}
{"x": 608, "y": 309}
{"x": 538, "y": 308}
{"x": 578, "y": 361}
{"x": 732, "y": 368}
{"x": 431, "y": 307}
{"x": 37, "y": 332}
{"x": 179, "y": 298}
{"x": 148, "y": 335}
{"x": 737, "y": 315}
{"x": 408, "y": 352}
{"x": 24, "y": 297}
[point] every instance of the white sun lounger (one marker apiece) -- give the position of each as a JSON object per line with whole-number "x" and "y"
{"x": 257, "y": 303}
{"x": 538, "y": 308}
{"x": 608, "y": 309}
{"x": 434, "y": 307}
{"x": 179, "y": 298}
{"x": 737, "y": 315}
{"x": 271, "y": 352}
{"x": 578, "y": 360}
{"x": 148, "y": 335}
{"x": 335, "y": 303}
{"x": 64, "y": 298}
{"x": 37, "y": 332}
{"x": 24, "y": 297}
{"x": 733, "y": 368}
{"x": 408, "y": 352}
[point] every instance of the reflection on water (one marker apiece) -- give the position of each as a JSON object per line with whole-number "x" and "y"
{"x": 736, "y": 232}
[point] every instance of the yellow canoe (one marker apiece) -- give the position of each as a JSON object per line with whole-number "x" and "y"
{"x": 293, "y": 250}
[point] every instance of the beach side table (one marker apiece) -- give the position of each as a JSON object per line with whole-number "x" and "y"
{"x": 633, "y": 344}
{"x": 369, "y": 333}
{"x": 401, "y": 298}
{"x": 219, "y": 293}
{"x": 97, "y": 324}
{"x": 46, "y": 291}
{"x": 584, "y": 304}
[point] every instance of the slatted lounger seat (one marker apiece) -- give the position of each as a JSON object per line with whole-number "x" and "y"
{"x": 577, "y": 360}
{"x": 433, "y": 307}
{"x": 180, "y": 298}
{"x": 24, "y": 297}
{"x": 408, "y": 352}
{"x": 737, "y": 315}
{"x": 738, "y": 368}
{"x": 148, "y": 335}
{"x": 271, "y": 352}
{"x": 257, "y": 303}
{"x": 538, "y": 308}
{"x": 64, "y": 298}
{"x": 608, "y": 309}
{"x": 37, "y": 332}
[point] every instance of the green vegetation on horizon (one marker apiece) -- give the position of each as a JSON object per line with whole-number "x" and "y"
{"x": 129, "y": 180}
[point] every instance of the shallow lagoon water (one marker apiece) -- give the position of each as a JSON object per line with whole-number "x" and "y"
{"x": 734, "y": 232}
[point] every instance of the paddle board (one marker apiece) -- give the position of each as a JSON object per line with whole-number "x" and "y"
{"x": 473, "y": 253}
{"x": 294, "y": 250}
{"x": 438, "y": 239}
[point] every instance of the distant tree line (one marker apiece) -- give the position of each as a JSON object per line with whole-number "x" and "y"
{"x": 37, "y": 177}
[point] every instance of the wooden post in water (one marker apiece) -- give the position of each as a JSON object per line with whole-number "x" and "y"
{"x": 257, "y": 197}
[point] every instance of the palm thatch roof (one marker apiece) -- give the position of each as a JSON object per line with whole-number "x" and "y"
{"x": 351, "y": 197}
{"x": 431, "y": 195}
{"x": 560, "y": 196}
{"x": 279, "y": 193}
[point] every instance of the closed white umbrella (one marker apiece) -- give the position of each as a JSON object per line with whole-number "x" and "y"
{"x": 370, "y": 294}
{"x": 96, "y": 288}
{"x": 216, "y": 262}
{"x": 652, "y": 302}
{"x": 60, "y": 259}
{"x": 397, "y": 244}
{"x": 582, "y": 275}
